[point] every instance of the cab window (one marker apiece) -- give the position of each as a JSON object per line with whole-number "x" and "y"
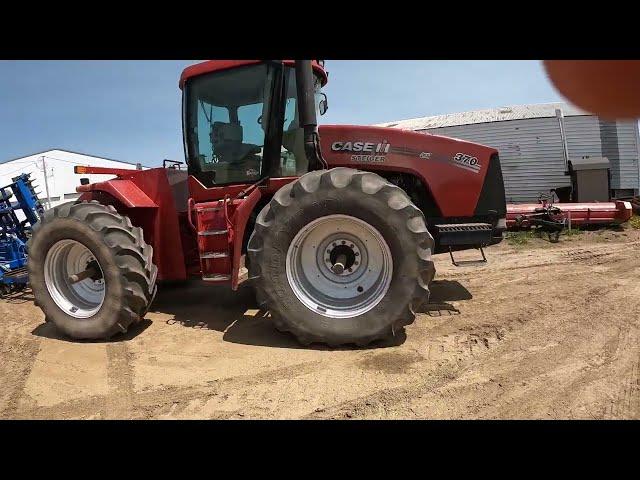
{"x": 227, "y": 117}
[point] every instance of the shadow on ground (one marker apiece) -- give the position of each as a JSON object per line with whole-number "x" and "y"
{"x": 48, "y": 329}
{"x": 17, "y": 298}
{"x": 443, "y": 292}
{"x": 236, "y": 314}
{"x": 195, "y": 304}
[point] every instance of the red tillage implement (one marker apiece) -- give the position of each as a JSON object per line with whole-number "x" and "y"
{"x": 596, "y": 213}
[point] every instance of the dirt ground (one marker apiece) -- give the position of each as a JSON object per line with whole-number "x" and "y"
{"x": 542, "y": 331}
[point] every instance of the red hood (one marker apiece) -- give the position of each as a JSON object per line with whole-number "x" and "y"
{"x": 454, "y": 170}
{"x": 396, "y": 135}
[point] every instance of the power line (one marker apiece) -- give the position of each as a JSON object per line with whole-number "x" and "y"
{"x": 47, "y": 156}
{"x": 19, "y": 169}
{"x": 35, "y": 163}
{"x": 85, "y": 163}
{"x": 17, "y": 161}
{"x": 63, "y": 160}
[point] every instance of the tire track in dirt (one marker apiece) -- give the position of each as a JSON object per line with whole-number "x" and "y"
{"x": 150, "y": 404}
{"x": 119, "y": 404}
{"x": 459, "y": 352}
{"x": 632, "y": 394}
{"x": 155, "y": 402}
{"x": 582, "y": 369}
{"x": 18, "y": 354}
{"x": 383, "y": 399}
{"x": 446, "y": 357}
{"x": 559, "y": 339}
{"x": 566, "y": 255}
{"x": 626, "y": 404}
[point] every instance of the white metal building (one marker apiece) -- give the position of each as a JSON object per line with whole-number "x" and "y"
{"x": 536, "y": 142}
{"x": 61, "y": 181}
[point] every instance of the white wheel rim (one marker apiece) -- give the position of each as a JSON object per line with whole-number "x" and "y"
{"x": 357, "y": 289}
{"x": 82, "y": 299}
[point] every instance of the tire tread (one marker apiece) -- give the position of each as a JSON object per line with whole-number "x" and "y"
{"x": 132, "y": 255}
{"x": 369, "y": 183}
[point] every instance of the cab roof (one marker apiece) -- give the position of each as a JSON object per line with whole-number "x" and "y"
{"x": 218, "y": 65}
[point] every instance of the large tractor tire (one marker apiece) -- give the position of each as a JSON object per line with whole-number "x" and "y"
{"x": 341, "y": 256}
{"x": 117, "y": 276}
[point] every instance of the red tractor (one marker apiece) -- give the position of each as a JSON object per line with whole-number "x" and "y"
{"x": 336, "y": 235}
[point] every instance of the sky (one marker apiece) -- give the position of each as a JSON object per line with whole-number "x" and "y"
{"x": 130, "y": 110}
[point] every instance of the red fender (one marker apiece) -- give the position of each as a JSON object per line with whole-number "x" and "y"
{"x": 125, "y": 191}
{"x": 145, "y": 196}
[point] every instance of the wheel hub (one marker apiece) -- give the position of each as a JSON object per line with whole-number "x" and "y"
{"x": 339, "y": 266}
{"x": 343, "y": 257}
{"x": 74, "y": 278}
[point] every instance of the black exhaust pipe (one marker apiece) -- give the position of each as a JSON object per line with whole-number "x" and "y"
{"x": 307, "y": 115}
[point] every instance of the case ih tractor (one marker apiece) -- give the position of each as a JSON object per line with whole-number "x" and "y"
{"x": 335, "y": 227}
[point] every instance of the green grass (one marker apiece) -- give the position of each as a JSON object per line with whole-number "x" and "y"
{"x": 519, "y": 238}
{"x": 523, "y": 237}
{"x": 571, "y": 233}
{"x": 634, "y": 222}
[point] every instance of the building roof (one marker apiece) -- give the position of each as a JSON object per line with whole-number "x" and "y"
{"x": 67, "y": 151}
{"x": 513, "y": 112}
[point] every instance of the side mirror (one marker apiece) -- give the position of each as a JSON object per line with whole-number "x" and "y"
{"x": 84, "y": 181}
{"x": 323, "y": 106}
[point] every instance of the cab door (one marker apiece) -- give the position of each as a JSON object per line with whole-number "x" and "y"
{"x": 233, "y": 133}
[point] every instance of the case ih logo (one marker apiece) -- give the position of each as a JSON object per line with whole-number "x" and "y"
{"x": 467, "y": 162}
{"x": 371, "y": 152}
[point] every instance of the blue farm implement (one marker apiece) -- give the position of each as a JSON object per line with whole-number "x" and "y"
{"x": 15, "y": 232}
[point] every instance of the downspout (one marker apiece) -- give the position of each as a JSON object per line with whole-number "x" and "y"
{"x": 563, "y": 136}
{"x": 637, "y": 129}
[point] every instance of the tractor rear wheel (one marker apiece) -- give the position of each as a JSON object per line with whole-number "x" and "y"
{"x": 341, "y": 256}
{"x": 90, "y": 270}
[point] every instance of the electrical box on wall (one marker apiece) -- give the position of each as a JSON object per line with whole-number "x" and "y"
{"x": 590, "y": 179}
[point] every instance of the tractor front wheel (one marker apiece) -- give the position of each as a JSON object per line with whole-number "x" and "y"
{"x": 341, "y": 256}
{"x": 90, "y": 270}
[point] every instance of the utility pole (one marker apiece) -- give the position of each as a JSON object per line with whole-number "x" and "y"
{"x": 46, "y": 182}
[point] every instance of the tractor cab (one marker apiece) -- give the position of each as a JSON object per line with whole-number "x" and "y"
{"x": 241, "y": 120}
